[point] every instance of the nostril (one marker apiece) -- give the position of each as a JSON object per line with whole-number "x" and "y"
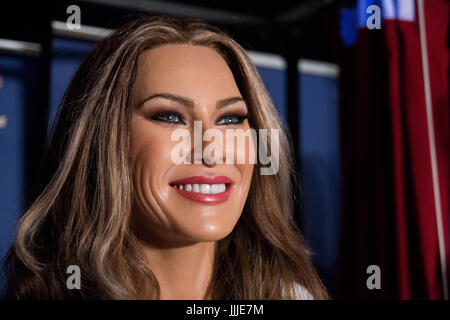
{"x": 209, "y": 161}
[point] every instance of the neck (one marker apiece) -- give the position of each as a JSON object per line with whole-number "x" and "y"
{"x": 183, "y": 272}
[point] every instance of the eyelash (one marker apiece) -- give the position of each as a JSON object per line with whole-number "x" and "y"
{"x": 240, "y": 118}
{"x": 159, "y": 117}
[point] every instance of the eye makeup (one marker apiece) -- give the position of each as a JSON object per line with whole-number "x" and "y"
{"x": 170, "y": 117}
{"x": 232, "y": 119}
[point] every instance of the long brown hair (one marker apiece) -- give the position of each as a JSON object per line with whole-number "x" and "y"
{"x": 83, "y": 216}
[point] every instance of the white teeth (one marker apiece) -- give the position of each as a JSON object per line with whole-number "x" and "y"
{"x": 203, "y": 188}
{"x": 215, "y": 188}
{"x": 196, "y": 188}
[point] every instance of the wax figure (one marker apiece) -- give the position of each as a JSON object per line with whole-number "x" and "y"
{"x": 137, "y": 224}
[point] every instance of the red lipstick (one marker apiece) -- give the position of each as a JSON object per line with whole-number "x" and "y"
{"x": 206, "y": 198}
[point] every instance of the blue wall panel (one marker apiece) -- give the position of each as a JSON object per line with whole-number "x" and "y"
{"x": 67, "y": 55}
{"x": 275, "y": 83}
{"x": 18, "y": 76}
{"x": 320, "y": 174}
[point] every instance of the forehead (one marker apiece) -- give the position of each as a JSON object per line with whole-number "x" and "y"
{"x": 184, "y": 69}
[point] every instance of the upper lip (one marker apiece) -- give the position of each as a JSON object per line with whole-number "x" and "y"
{"x": 203, "y": 180}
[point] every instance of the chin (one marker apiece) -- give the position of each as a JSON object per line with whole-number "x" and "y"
{"x": 210, "y": 232}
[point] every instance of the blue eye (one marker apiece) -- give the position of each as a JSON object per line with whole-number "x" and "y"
{"x": 169, "y": 117}
{"x": 231, "y": 119}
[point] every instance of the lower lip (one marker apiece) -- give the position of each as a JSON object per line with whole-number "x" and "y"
{"x": 206, "y": 198}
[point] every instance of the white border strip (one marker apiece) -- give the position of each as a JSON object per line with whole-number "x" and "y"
{"x": 22, "y": 47}
{"x": 85, "y": 32}
{"x": 431, "y": 138}
{"x": 267, "y": 60}
{"x": 318, "y": 68}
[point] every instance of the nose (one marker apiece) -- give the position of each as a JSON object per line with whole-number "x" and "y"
{"x": 208, "y": 144}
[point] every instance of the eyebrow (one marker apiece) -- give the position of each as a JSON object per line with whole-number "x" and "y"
{"x": 189, "y": 102}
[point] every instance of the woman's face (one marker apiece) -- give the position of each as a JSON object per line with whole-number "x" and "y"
{"x": 178, "y": 203}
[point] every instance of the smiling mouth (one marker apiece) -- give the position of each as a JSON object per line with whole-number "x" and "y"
{"x": 204, "y": 190}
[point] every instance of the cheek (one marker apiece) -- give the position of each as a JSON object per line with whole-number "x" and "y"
{"x": 151, "y": 159}
{"x": 151, "y": 148}
{"x": 246, "y": 171}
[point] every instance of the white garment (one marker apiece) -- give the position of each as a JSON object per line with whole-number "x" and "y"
{"x": 300, "y": 293}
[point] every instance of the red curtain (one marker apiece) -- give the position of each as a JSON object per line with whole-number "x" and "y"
{"x": 396, "y": 157}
